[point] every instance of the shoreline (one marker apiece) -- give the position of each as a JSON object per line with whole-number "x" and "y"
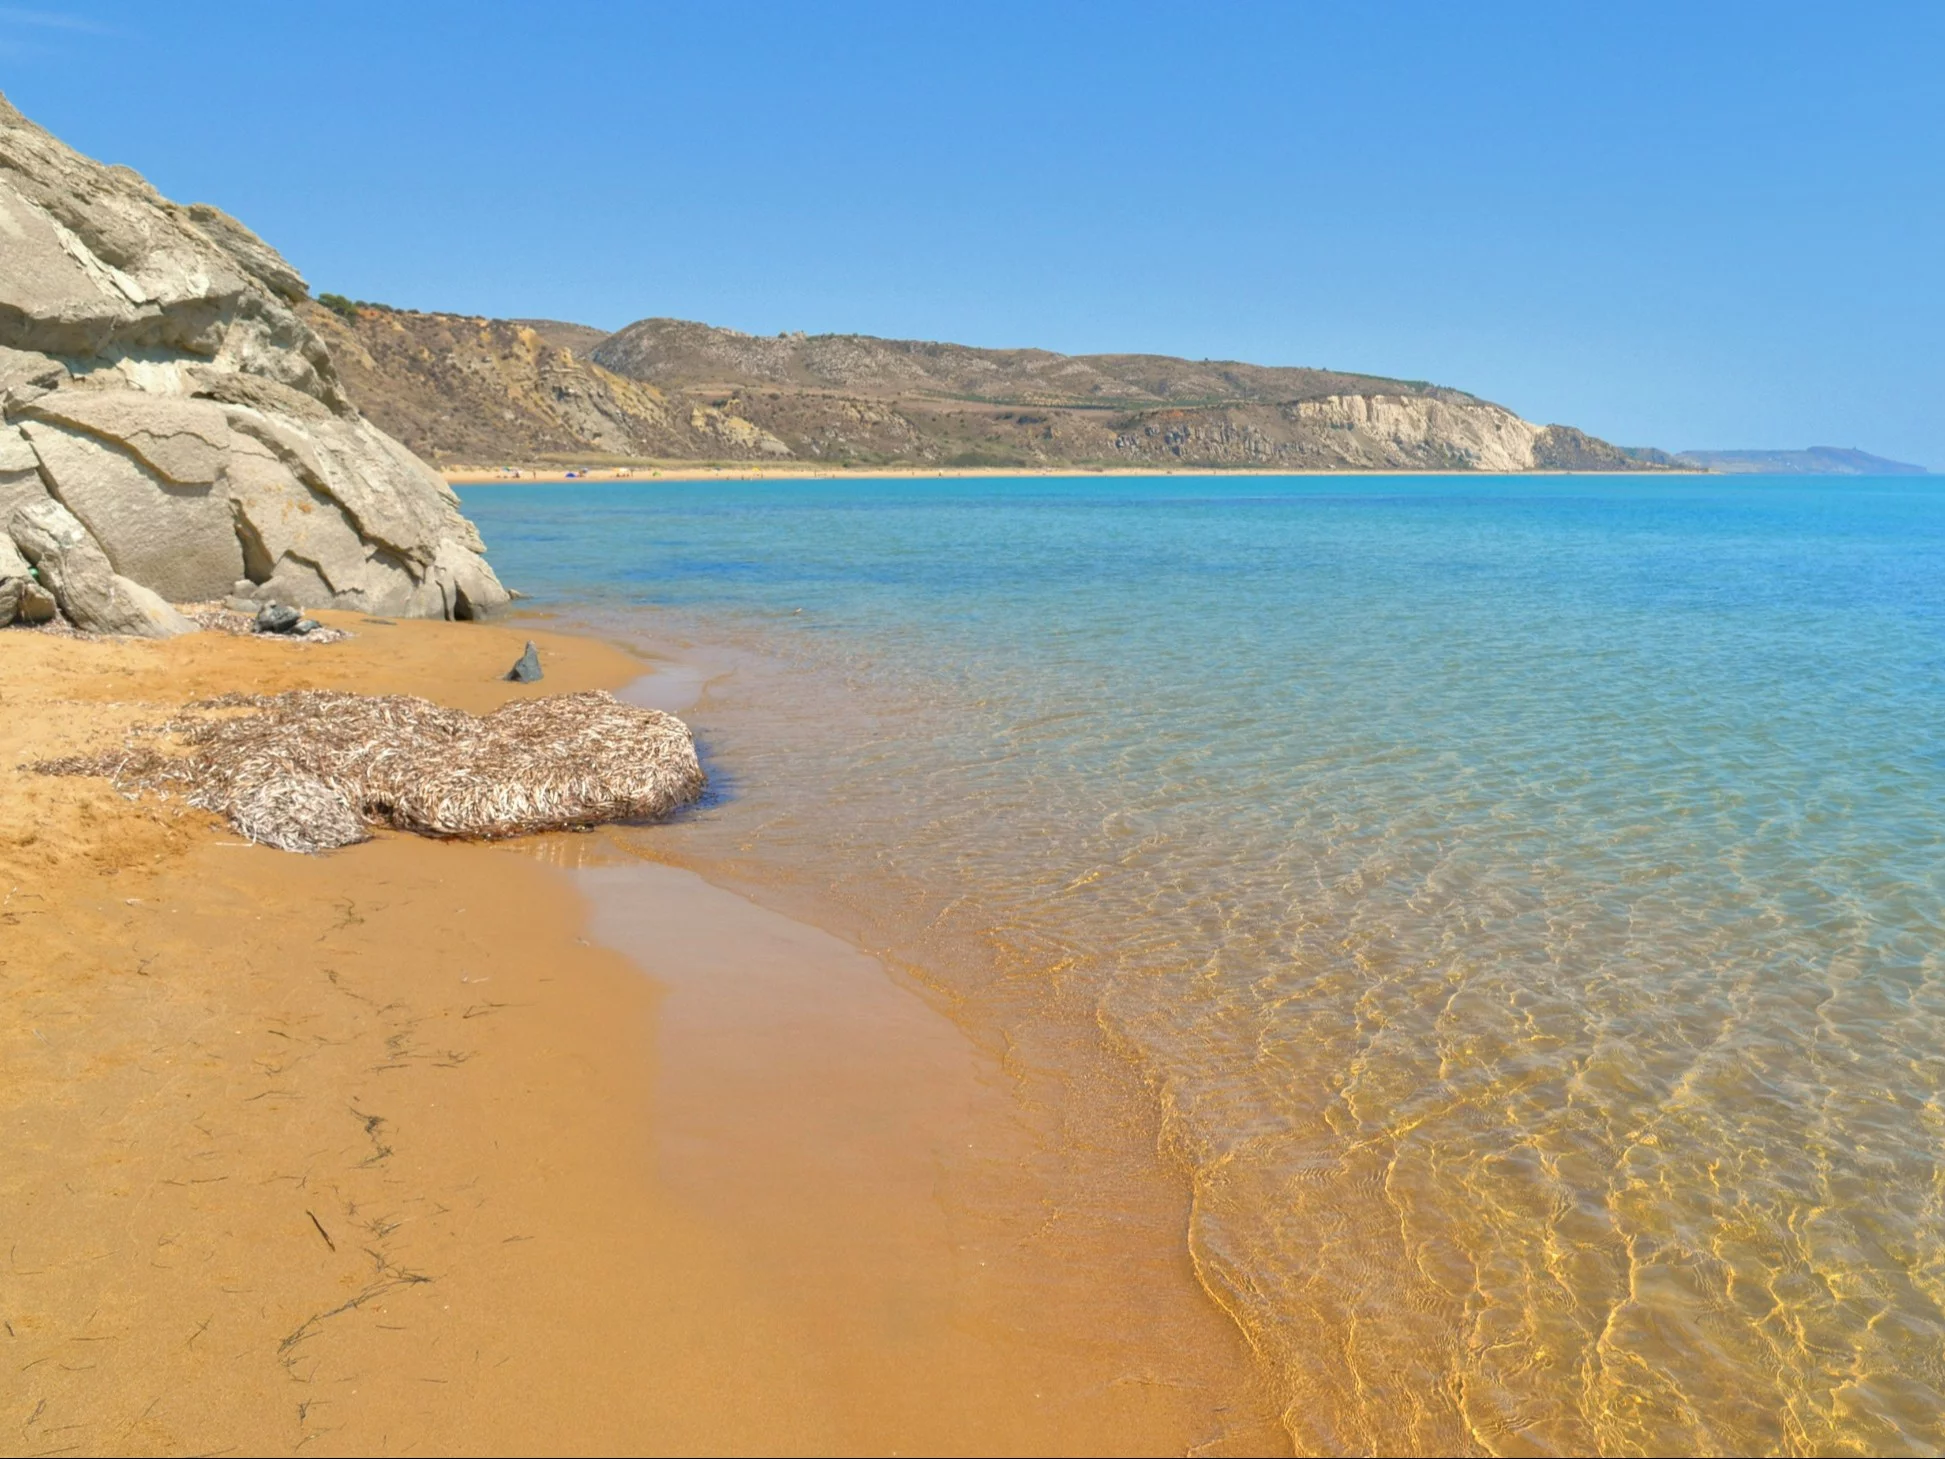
{"x": 541, "y": 475}
{"x": 426, "y": 1143}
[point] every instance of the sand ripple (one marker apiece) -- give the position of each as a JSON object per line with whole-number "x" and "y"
{"x": 1525, "y": 899}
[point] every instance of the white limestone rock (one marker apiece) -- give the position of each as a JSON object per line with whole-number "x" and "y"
{"x": 168, "y": 396}
{"x": 90, "y": 593}
{"x": 20, "y": 474}
{"x": 27, "y": 373}
{"x": 1378, "y": 431}
{"x": 179, "y": 540}
{"x": 182, "y": 441}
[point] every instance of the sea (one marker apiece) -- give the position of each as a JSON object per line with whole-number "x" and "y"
{"x": 1522, "y": 898}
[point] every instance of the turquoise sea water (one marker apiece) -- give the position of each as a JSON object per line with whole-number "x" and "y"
{"x": 1526, "y": 896}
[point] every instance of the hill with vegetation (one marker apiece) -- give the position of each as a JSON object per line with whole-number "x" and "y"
{"x": 463, "y": 390}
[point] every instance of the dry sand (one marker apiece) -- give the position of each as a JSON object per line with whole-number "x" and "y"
{"x": 385, "y": 1150}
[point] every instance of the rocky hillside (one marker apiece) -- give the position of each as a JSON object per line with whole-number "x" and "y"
{"x": 482, "y": 391}
{"x": 172, "y": 430}
{"x": 463, "y": 390}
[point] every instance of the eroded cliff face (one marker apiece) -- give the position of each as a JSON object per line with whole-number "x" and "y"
{"x": 1375, "y": 432}
{"x": 158, "y": 382}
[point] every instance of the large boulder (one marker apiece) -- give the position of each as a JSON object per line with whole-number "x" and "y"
{"x": 155, "y": 382}
{"x": 92, "y": 595}
{"x": 177, "y": 539}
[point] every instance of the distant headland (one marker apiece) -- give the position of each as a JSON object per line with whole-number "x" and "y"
{"x": 465, "y": 391}
{"x": 1815, "y": 461}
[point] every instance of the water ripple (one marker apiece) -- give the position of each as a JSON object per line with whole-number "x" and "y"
{"x": 1526, "y": 897}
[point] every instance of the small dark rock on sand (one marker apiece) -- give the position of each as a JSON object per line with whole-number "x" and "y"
{"x": 527, "y": 671}
{"x": 277, "y": 618}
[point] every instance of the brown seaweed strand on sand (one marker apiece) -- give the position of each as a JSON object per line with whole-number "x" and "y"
{"x": 308, "y": 770}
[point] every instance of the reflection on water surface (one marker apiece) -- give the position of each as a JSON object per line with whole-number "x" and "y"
{"x": 1523, "y": 895}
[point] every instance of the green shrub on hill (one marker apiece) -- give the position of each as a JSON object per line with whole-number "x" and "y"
{"x": 348, "y": 308}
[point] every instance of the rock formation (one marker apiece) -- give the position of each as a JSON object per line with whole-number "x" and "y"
{"x": 160, "y": 391}
{"x": 76, "y": 571}
{"x": 22, "y": 597}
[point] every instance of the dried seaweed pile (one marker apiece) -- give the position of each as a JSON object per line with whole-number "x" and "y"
{"x": 309, "y": 770}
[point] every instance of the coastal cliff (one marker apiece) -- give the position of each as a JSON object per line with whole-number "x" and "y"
{"x": 170, "y": 427}
{"x": 470, "y": 391}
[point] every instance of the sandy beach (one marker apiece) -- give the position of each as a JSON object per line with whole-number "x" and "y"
{"x": 514, "y": 1147}
{"x": 684, "y": 471}
{"x": 896, "y": 740}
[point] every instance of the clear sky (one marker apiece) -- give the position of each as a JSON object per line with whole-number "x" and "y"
{"x": 1682, "y": 225}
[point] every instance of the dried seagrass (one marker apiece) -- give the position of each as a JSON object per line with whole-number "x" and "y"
{"x": 309, "y": 770}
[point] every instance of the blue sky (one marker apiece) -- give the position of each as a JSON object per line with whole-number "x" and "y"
{"x": 1681, "y": 225}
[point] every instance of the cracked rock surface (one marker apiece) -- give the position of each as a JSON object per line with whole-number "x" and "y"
{"x": 157, "y": 385}
{"x": 90, "y": 592}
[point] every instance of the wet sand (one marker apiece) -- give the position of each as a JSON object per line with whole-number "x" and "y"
{"x": 538, "y": 1146}
{"x": 680, "y": 471}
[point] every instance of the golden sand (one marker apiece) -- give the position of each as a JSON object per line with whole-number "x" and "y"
{"x": 799, "y": 471}
{"x": 384, "y": 1150}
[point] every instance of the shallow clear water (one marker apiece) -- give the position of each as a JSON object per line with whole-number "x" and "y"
{"x": 1524, "y": 896}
